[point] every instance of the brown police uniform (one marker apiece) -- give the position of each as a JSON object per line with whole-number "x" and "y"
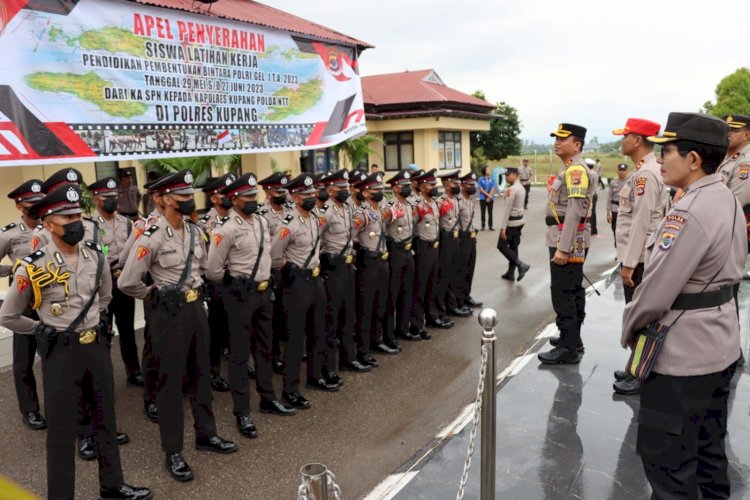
{"x": 468, "y": 241}
{"x": 512, "y": 220}
{"x": 446, "y": 293}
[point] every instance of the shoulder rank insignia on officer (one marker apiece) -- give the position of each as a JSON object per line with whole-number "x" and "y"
{"x": 33, "y": 256}
{"x": 577, "y": 181}
{"x": 263, "y": 211}
{"x": 238, "y": 220}
{"x": 205, "y": 218}
{"x": 289, "y": 218}
{"x": 224, "y": 219}
{"x": 39, "y": 227}
{"x": 9, "y": 226}
{"x": 151, "y": 230}
{"x": 323, "y": 208}
{"x": 94, "y": 246}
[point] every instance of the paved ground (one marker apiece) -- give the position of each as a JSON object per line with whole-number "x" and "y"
{"x": 375, "y": 424}
{"x": 562, "y": 434}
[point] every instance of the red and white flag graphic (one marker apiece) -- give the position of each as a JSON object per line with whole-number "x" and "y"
{"x": 224, "y": 137}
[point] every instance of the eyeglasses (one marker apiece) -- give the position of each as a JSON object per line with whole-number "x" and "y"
{"x": 667, "y": 149}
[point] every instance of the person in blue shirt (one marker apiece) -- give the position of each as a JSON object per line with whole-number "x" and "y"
{"x": 487, "y": 189}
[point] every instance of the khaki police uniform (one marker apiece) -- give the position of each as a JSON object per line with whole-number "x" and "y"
{"x": 613, "y": 203}
{"x": 512, "y": 220}
{"x": 426, "y": 250}
{"x": 446, "y": 293}
{"x": 400, "y": 228}
{"x": 524, "y": 177}
{"x": 735, "y": 172}
{"x": 467, "y": 246}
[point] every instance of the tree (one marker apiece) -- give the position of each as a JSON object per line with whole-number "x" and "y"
{"x": 355, "y": 150}
{"x": 732, "y": 95}
{"x": 502, "y": 140}
{"x": 199, "y": 165}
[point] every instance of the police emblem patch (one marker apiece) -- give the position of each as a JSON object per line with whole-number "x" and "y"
{"x": 72, "y": 195}
{"x": 744, "y": 171}
{"x": 36, "y": 188}
{"x": 141, "y": 252}
{"x": 111, "y": 184}
{"x": 188, "y": 178}
{"x": 667, "y": 240}
{"x": 22, "y": 283}
{"x": 575, "y": 177}
{"x": 217, "y": 239}
{"x": 640, "y": 186}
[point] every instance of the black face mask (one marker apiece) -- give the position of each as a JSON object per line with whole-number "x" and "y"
{"x": 377, "y": 196}
{"x": 471, "y": 190}
{"x": 405, "y": 191}
{"x": 186, "y": 207}
{"x": 342, "y": 196}
{"x": 110, "y": 205}
{"x": 455, "y": 190}
{"x": 226, "y": 203}
{"x": 73, "y": 232}
{"x": 359, "y": 196}
{"x": 323, "y": 195}
{"x": 432, "y": 193}
{"x": 308, "y": 204}
{"x": 279, "y": 200}
{"x": 250, "y": 207}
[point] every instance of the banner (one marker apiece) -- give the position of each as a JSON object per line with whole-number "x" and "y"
{"x": 102, "y": 80}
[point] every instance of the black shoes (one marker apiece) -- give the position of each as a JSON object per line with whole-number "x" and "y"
{"x": 425, "y": 335}
{"x": 384, "y": 349}
{"x": 620, "y": 374}
{"x": 250, "y": 373}
{"x": 332, "y": 378}
{"x": 473, "y": 303}
{"x": 87, "y": 448}
{"x": 122, "y": 439}
{"x": 296, "y": 400}
{"x": 492, "y": 228}
{"x": 126, "y": 492}
{"x": 555, "y": 341}
{"x": 560, "y": 356}
{"x": 321, "y": 384}
{"x": 508, "y": 276}
{"x": 178, "y": 467}
{"x": 135, "y": 379}
{"x": 355, "y": 366}
{"x": 367, "y": 359}
{"x": 393, "y": 344}
{"x": 628, "y": 386}
{"x": 408, "y": 336}
{"x": 439, "y": 322}
{"x": 215, "y": 444}
{"x": 523, "y": 268}
{"x": 219, "y": 384}
{"x": 34, "y": 420}
{"x": 461, "y": 312}
{"x": 276, "y": 407}
{"x": 151, "y": 411}
{"x": 277, "y": 366}
{"x": 246, "y": 426}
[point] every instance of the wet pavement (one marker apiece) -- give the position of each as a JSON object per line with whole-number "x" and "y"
{"x": 561, "y": 431}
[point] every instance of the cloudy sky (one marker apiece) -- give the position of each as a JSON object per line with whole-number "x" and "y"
{"x": 589, "y": 62}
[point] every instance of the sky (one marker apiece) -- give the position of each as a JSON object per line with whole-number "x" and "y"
{"x": 593, "y": 63}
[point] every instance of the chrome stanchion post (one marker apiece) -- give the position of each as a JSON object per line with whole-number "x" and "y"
{"x": 314, "y": 482}
{"x": 488, "y": 320}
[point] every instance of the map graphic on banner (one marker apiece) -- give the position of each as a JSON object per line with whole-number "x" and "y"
{"x": 88, "y": 80}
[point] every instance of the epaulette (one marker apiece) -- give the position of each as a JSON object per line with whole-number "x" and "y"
{"x": 8, "y": 227}
{"x": 222, "y": 220}
{"x": 289, "y": 218}
{"x": 390, "y": 203}
{"x": 33, "y": 256}
{"x": 289, "y": 204}
{"x": 263, "y": 211}
{"x": 93, "y": 246}
{"x": 39, "y": 226}
{"x": 205, "y": 218}
{"x": 151, "y": 230}
{"x": 323, "y": 208}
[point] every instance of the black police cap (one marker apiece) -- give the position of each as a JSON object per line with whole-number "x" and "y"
{"x": 216, "y": 184}
{"x": 62, "y": 177}
{"x": 104, "y": 187}
{"x": 402, "y": 177}
{"x": 30, "y": 190}
{"x": 695, "y": 127}
{"x": 64, "y": 200}
{"x": 304, "y": 183}
{"x": 567, "y": 129}
{"x": 246, "y": 184}
{"x": 737, "y": 121}
{"x": 276, "y": 180}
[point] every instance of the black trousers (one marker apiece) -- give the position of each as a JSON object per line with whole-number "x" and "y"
{"x": 446, "y": 293}
{"x": 592, "y": 219}
{"x": 467, "y": 252}
{"x": 149, "y": 363}
{"x": 682, "y": 426}
{"x": 74, "y": 377}
{"x": 340, "y": 313}
{"x": 509, "y": 247}
{"x": 614, "y": 227}
{"x": 637, "y": 278}
{"x": 527, "y": 188}
{"x": 400, "y": 290}
{"x": 372, "y": 294}
{"x": 180, "y": 348}
{"x": 486, "y": 205}
{"x": 568, "y": 301}
{"x": 249, "y": 332}
{"x": 122, "y": 308}
{"x": 278, "y": 322}
{"x": 218, "y": 326}
{"x": 304, "y": 309}
{"x": 24, "y": 350}
{"x": 425, "y": 277}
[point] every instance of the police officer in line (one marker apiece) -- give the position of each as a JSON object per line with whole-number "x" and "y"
{"x": 217, "y": 315}
{"x": 321, "y": 195}
{"x": 275, "y": 210}
{"x": 239, "y": 260}
{"x": 525, "y": 174}
{"x": 337, "y": 264}
{"x": 426, "y": 252}
{"x": 688, "y": 287}
{"x": 115, "y": 230}
{"x": 400, "y": 228}
{"x": 295, "y": 252}
{"x": 468, "y": 243}
{"x": 357, "y": 197}
{"x": 174, "y": 255}
{"x": 643, "y": 201}
{"x": 613, "y": 199}
{"x": 511, "y": 226}
{"x": 416, "y": 196}
{"x": 149, "y": 363}
{"x": 372, "y": 270}
{"x": 446, "y": 295}
{"x": 69, "y": 285}
{"x": 568, "y": 239}
{"x": 15, "y": 243}
{"x": 66, "y": 176}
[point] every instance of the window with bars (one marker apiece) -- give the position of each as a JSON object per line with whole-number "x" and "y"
{"x": 449, "y": 150}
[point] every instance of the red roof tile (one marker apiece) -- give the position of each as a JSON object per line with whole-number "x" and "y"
{"x": 414, "y": 87}
{"x": 252, "y": 12}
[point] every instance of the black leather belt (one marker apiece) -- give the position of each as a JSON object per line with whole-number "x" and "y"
{"x": 433, "y": 244}
{"x": 515, "y": 217}
{"x": 551, "y": 221}
{"x": 402, "y": 245}
{"x": 703, "y": 300}
{"x": 371, "y": 254}
{"x": 331, "y": 261}
{"x": 615, "y": 202}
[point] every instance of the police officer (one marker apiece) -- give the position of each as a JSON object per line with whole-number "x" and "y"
{"x": 446, "y": 296}
{"x": 173, "y": 253}
{"x": 217, "y": 315}
{"x": 295, "y": 252}
{"x": 687, "y": 287}
{"x": 69, "y": 285}
{"x": 467, "y": 246}
{"x": 372, "y": 270}
{"x": 275, "y": 210}
{"x": 400, "y": 228}
{"x": 524, "y": 176}
{"x": 613, "y": 200}
{"x": 239, "y": 258}
{"x": 511, "y": 225}
{"x": 426, "y": 251}
{"x": 115, "y": 230}
{"x": 15, "y": 243}
{"x": 643, "y": 201}
{"x": 337, "y": 263}
{"x": 568, "y": 238}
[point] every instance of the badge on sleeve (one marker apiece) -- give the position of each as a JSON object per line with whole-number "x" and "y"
{"x": 640, "y": 186}
{"x": 667, "y": 240}
{"x": 22, "y": 283}
{"x": 744, "y": 171}
{"x": 283, "y": 233}
{"x": 34, "y": 242}
{"x": 217, "y": 239}
{"x": 141, "y": 252}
